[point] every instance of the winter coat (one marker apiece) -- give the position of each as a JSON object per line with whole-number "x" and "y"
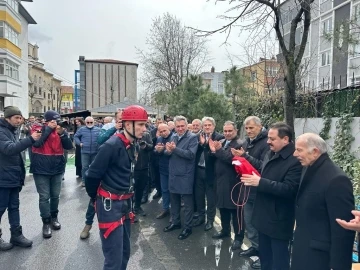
{"x": 48, "y": 152}
{"x": 88, "y": 137}
{"x": 255, "y": 152}
{"x": 209, "y": 159}
{"x": 320, "y": 243}
{"x": 12, "y": 167}
{"x": 274, "y": 207}
{"x": 163, "y": 159}
{"x": 226, "y": 176}
{"x": 182, "y": 163}
{"x": 143, "y": 158}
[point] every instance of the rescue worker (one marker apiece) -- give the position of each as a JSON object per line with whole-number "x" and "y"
{"x": 110, "y": 180}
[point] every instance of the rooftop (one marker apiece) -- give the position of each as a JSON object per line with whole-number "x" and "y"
{"x": 67, "y": 90}
{"x": 26, "y": 14}
{"x": 110, "y": 61}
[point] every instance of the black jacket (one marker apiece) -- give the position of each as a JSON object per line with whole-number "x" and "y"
{"x": 12, "y": 167}
{"x": 209, "y": 159}
{"x": 226, "y": 176}
{"x": 111, "y": 167}
{"x": 255, "y": 152}
{"x": 143, "y": 158}
{"x": 325, "y": 194}
{"x": 48, "y": 154}
{"x": 274, "y": 207}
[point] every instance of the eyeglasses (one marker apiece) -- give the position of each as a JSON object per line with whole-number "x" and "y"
{"x": 89, "y": 122}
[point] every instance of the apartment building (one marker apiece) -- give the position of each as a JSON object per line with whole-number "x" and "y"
{"x": 215, "y": 80}
{"x": 14, "y": 21}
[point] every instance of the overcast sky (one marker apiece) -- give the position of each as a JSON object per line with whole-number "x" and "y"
{"x": 112, "y": 28}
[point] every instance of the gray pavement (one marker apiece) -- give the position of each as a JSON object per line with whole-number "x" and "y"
{"x": 151, "y": 247}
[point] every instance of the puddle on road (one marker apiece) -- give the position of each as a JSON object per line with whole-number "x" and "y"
{"x": 221, "y": 250}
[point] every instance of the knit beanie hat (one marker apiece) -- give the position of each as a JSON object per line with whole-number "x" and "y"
{"x": 51, "y": 115}
{"x": 11, "y": 111}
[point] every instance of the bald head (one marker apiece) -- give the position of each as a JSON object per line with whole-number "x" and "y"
{"x": 196, "y": 125}
{"x": 308, "y": 148}
{"x": 107, "y": 119}
{"x": 171, "y": 125}
{"x": 164, "y": 130}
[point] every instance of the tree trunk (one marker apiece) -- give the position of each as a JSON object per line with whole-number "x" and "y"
{"x": 289, "y": 99}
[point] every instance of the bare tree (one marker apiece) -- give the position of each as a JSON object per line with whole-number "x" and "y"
{"x": 259, "y": 16}
{"x": 173, "y": 53}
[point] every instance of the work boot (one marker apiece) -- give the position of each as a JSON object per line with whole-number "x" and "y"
{"x": 55, "y": 224}
{"x": 139, "y": 211}
{"x": 4, "y": 245}
{"x": 85, "y": 232}
{"x": 46, "y": 229}
{"x": 18, "y": 239}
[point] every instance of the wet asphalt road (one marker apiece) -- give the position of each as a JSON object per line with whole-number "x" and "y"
{"x": 151, "y": 247}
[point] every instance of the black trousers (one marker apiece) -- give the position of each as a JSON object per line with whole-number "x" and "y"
{"x": 9, "y": 199}
{"x": 226, "y": 215}
{"x": 202, "y": 189}
{"x": 274, "y": 253}
{"x": 155, "y": 174}
{"x": 141, "y": 178}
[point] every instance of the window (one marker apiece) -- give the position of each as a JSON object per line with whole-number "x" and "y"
{"x": 326, "y": 26}
{"x": 356, "y": 14}
{"x": 354, "y": 82}
{"x": 220, "y": 89}
{"x": 2, "y": 100}
{"x": 40, "y": 91}
{"x": 48, "y": 108}
{"x": 6, "y": 31}
{"x": 35, "y": 79}
{"x": 54, "y": 97}
{"x": 44, "y": 94}
{"x": 44, "y": 108}
{"x": 325, "y": 58}
{"x": 271, "y": 71}
{"x": 9, "y": 68}
{"x": 253, "y": 76}
{"x": 13, "y": 4}
{"x": 49, "y": 96}
{"x": 35, "y": 90}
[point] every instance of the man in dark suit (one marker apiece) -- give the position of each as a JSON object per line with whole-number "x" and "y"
{"x": 325, "y": 193}
{"x": 274, "y": 208}
{"x": 204, "y": 175}
{"x": 226, "y": 178}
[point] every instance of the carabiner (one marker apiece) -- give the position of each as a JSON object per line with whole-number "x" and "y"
{"x": 106, "y": 207}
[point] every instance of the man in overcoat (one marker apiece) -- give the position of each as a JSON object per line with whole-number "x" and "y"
{"x": 274, "y": 208}
{"x": 325, "y": 193}
{"x": 182, "y": 150}
{"x": 226, "y": 178}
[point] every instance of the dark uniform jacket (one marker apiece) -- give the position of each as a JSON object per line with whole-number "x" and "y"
{"x": 209, "y": 159}
{"x": 226, "y": 176}
{"x": 12, "y": 167}
{"x": 111, "y": 167}
{"x": 143, "y": 158}
{"x": 325, "y": 194}
{"x": 255, "y": 152}
{"x": 274, "y": 207}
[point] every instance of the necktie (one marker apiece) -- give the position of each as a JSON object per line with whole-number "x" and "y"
{"x": 226, "y": 144}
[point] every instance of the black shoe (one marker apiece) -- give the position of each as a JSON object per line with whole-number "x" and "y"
{"x": 139, "y": 211}
{"x": 249, "y": 252}
{"x": 185, "y": 234}
{"x": 4, "y": 245}
{"x": 157, "y": 195}
{"x": 163, "y": 214}
{"x": 208, "y": 226}
{"x": 136, "y": 219}
{"x": 256, "y": 264}
{"x": 144, "y": 200}
{"x": 172, "y": 227}
{"x": 198, "y": 222}
{"x": 46, "y": 229}
{"x": 236, "y": 245}
{"x": 18, "y": 239}
{"x": 55, "y": 224}
{"x": 221, "y": 234}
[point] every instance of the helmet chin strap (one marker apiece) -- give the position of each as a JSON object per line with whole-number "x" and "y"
{"x": 132, "y": 135}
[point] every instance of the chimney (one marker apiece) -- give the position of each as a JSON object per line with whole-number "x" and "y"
{"x": 36, "y": 52}
{"x": 212, "y": 70}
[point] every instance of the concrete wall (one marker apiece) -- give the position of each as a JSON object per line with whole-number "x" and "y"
{"x": 315, "y": 125}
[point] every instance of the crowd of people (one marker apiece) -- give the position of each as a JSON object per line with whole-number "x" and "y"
{"x": 191, "y": 166}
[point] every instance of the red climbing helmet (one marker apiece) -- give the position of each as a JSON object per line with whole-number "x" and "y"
{"x": 134, "y": 113}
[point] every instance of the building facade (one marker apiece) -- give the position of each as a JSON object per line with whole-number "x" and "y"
{"x": 44, "y": 88}
{"x": 14, "y": 21}
{"x": 262, "y": 76}
{"x": 106, "y": 81}
{"x": 67, "y": 99}
{"x": 331, "y": 60}
{"x": 215, "y": 80}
